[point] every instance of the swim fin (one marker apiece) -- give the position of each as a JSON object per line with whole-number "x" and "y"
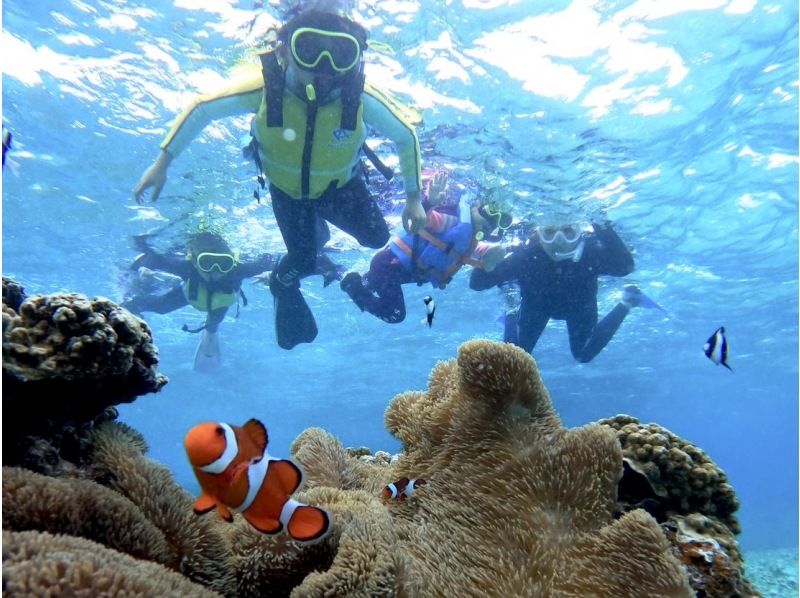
{"x": 634, "y": 296}
{"x": 207, "y": 358}
{"x": 294, "y": 322}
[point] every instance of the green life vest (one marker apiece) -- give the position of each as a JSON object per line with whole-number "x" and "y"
{"x": 202, "y": 298}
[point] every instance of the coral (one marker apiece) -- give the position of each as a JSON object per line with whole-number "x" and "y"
{"x": 200, "y": 543}
{"x": 710, "y": 553}
{"x": 683, "y": 478}
{"x": 42, "y": 564}
{"x": 80, "y": 508}
{"x": 359, "y": 558}
{"x": 67, "y": 360}
{"x": 13, "y": 295}
{"x": 515, "y": 503}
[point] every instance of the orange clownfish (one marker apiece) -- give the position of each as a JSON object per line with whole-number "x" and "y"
{"x": 402, "y": 489}
{"x": 236, "y": 473}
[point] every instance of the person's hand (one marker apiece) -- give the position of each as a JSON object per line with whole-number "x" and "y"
{"x": 262, "y": 278}
{"x": 154, "y": 177}
{"x": 493, "y": 256}
{"x": 413, "y": 214}
{"x": 437, "y": 190}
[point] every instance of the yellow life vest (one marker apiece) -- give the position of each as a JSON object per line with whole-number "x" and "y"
{"x": 205, "y": 300}
{"x": 334, "y": 152}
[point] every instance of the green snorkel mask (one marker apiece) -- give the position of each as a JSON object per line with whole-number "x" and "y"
{"x": 221, "y": 262}
{"x": 310, "y": 45}
{"x": 498, "y": 217}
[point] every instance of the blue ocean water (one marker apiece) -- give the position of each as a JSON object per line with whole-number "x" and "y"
{"x": 678, "y": 121}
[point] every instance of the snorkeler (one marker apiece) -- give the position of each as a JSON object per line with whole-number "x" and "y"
{"x": 434, "y": 255}
{"x": 313, "y": 110}
{"x": 557, "y": 270}
{"x": 209, "y": 278}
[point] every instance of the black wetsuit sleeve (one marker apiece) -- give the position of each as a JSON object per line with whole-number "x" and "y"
{"x": 506, "y": 271}
{"x": 614, "y": 258}
{"x": 173, "y": 265}
{"x": 264, "y": 263}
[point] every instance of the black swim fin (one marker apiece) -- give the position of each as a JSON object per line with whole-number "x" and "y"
{"x": 294, "y": 322}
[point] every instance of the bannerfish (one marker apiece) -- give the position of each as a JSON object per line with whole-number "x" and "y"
{"x": 402, "y": 489}
{"x": 430, "y": 309}
{"x": 716, "y": 348}
{"x": 6, "y": 142}
{"x": 238, "y": 475}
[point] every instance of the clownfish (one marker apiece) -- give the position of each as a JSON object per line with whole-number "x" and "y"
{"x": 237, "y": 474}
{"x": 402, "y": 489}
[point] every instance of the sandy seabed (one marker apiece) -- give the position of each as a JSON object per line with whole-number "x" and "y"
{"x": 773, "y": 572}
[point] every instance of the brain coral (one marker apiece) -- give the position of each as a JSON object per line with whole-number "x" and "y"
{"x": 515, "y": 503}
{"x": 683, "y": 477}
{"x": 66, "y": 361}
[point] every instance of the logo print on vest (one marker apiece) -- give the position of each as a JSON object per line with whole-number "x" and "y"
{"x": 341, "y": 138}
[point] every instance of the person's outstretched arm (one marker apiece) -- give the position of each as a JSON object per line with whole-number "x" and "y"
{"x": 506, "y": 271}
{"x": 264, "y": 263}
{"x": 614, "y": 258}
{"x": 239, "y": 98}
{"x": 150, "y": 258}
{"x": 381, "y": 113}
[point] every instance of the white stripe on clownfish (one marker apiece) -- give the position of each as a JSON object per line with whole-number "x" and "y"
{"x": 256, "y": 474}
{"x": 227, "y": 456}
{"x": 288, "y": 510}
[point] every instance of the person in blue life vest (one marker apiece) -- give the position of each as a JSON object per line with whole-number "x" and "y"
{"x": 556, "y": 270}
{"x": 312, "y": 110}
{"x": 456, "y": 233}
{"x": 208, "y": 276}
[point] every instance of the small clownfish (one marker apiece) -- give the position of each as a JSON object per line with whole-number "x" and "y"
{"x": 402, "y": 489}
{"x": 237, "y": 474}
{"x": 716, "y": 348}
{"x": 430, "y": 309}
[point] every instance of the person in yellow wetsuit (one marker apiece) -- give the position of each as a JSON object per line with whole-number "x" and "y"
{"x": 312, "y": 110}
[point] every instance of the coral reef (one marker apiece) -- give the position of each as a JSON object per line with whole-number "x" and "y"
{"x": 711, "y": 555}
{"x": 690, "y": 496}
{"x": 515, "y": 503}
{"x": 67, "y": 360}
{"x": 682, "y": 477}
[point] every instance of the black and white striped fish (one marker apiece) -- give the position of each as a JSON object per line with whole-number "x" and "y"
{"x": 716, "y": 348}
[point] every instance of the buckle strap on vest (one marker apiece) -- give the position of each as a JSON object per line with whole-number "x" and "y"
{"x": 274, "y": 85}
{"x": 442, "y": 278}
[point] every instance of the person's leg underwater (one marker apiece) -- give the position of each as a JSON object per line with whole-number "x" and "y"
{"x": 587, "y": 336}
{"x": 353, "y": 209}
{"x": 207, "y": 356}
{"x": 525, "y": 329}
{"x": 380, "y": 291}
{"x": 297, "y": 220}
{"x": 160, "y": 304}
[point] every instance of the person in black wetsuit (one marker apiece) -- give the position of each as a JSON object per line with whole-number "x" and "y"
{"x": 557, "y": 271}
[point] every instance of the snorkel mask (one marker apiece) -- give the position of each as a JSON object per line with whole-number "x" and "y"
{"x": 563, "y": 242}
{"x": 310, "y": 45}
{"x": 324, "y": 43}
{"x": 221, "y": 262}
{"x": 496, "y": 214}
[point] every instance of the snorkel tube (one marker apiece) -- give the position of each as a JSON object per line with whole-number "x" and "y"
{"x": 575, "y": 254}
